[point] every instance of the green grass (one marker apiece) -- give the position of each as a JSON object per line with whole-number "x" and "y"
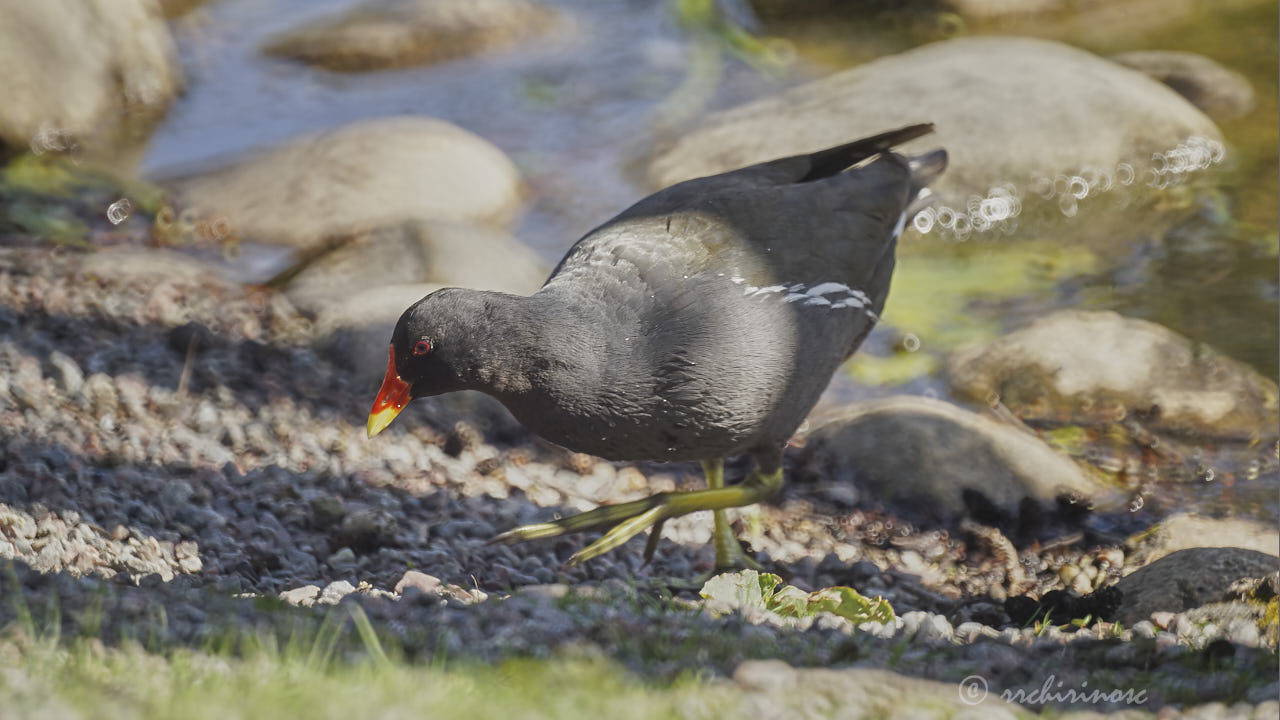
{"x": 43, "y": 677}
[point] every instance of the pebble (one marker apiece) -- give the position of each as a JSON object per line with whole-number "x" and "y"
{"x": 420, "y": 581}
{"x": 305, "y": 596}
{"x": 344, "y": 559}
{"x": 259, "y": 482}
{"x": 334, "y": 592}
{"x": 935, "y": 630}
{"x": 69, "y": 376}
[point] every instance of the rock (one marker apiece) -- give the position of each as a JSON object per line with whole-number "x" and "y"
{"x": 916, "y": 453}
{"x": 334, "y": 592}
{"x": 343, "y": 560}
{"x": 1188, "y": 579}
{"x": 69, "y": 375}
{"x": 1077, "y": 114}
{"x": 427, "y": 584}
{"x": 99, "y": 393}
{"x": 1075, "y": 365}
{"x": 1187, "y": 530}
{"x": 83, "y": 73}
{"x": 378, "y": 34}
{"x": 774, "y": 689}
{"x": 137, "y": 265}
{"x": 1217, "y": 90}
{"x": 305, "y": 596}
{"x": 358, "y": 177}
{"x": 968, "y": 9}
{"x": 367, "y": 529}
{"x": 449, "y": 254}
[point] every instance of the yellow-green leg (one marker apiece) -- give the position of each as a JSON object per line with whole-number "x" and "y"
{"x": 626, "y": 520}
{"x": 729, "y": 553}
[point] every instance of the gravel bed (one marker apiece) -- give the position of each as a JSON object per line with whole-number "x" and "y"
{"x": 178, "y": 449}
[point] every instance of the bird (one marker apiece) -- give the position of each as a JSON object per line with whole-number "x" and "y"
{"x": 701, "y": 323}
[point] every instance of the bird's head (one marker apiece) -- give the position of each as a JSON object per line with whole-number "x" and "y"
{"x": 428, "y": 353}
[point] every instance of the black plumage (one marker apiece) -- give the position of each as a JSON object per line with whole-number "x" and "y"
{"x": 703, "y": 322}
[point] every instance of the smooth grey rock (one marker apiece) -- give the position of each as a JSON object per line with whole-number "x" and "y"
{"x": 415, "y": 252}
{"x": 358, "y": 177}
{"x": 1188, "y": 579}
{"x": 1215, "y": 89}
{"x": 1082, "y": 364}
{"x": 913, "y": 453}
{"x": 377, "y": 34}
{"x": 77, "y": 71}
{"x": 1075, "y": 111}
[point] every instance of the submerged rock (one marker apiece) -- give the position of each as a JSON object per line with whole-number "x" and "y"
{"x": 1081, "y": 366}
{"x": 78, "y": 73}
{"x": 1217, "y": 90}
{"x": 361, "y": 176}
{"x": 921, "y": 456}
{"x": 1079, "y": 116}
{"x": 1187, "y": 579}
{"x": 1187, "y": 530}
{"x": 379, "y": 34}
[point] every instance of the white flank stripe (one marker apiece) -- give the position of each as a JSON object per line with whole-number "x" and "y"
{"x": 827, "y": 288}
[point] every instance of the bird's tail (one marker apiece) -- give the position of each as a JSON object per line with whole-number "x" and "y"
{"x": 925, "y": 169}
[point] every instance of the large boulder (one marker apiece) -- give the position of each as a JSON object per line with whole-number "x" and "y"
{"x": 1188, "y": 579}
{"x": 1187, "y": 530}
{"x": 396, "y": 33}
{"x": 1217, "y": 90}
{"x": 920, "y": 455}
{"x": 443, "y": 253}
{"x": 83, "y": 73}
{"x": 1081, "y": 366}
{"x": 1011, "y": 112}
{"x": 362, "y": 176}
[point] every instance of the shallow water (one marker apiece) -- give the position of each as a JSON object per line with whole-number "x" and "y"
{"x": 579, "y": 110}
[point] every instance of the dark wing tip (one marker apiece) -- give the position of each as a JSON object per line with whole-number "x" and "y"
{"x": 826, "y": 163}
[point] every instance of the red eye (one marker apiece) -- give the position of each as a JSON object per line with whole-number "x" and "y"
{"x": 422, "y": 347}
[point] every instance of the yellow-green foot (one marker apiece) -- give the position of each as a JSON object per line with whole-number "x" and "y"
{"x": 626, "y": 520}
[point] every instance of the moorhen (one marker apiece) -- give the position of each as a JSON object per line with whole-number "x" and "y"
{"x": 701, "y": 323}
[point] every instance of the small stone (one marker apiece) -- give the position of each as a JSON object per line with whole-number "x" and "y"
{"x": 99, "y": 393}
{"x": 935, "y": 630}
{"x": 304, "y": 596}
{"x": 1244, "y": 632}
{"x": 428, "y": 584}
{"x": 69, "y": 376}
{"x": 367, "y": 529}
{"x": 335, "y": 591}
{"x": 1163, "y": 619}
{"x": 1144, "y": 629}
{"x": 326, "y": 511}
{"x": 343, "y": 559}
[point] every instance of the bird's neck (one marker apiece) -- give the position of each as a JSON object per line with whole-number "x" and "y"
{"x": 528, "y": 346}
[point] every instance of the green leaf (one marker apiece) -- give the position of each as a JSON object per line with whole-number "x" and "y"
{"x": 749, "y": 589}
